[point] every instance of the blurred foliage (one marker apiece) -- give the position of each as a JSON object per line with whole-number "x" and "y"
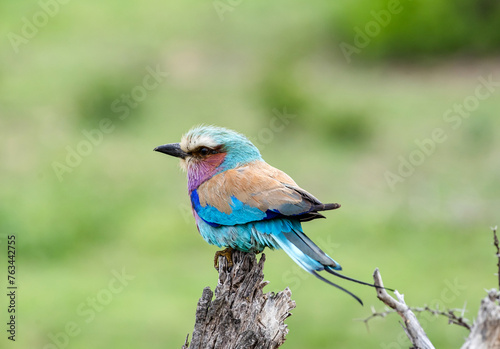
{"x": 95, "y": 101}
{"x": 351, "y": 127}
{"x": 420, "y": 29}
{"x": 280, "y": 88}
{"x": 122, "y": 206}
{"x": 334, "y": 120}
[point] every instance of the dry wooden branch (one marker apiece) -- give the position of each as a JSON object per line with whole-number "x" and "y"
{"x": 241, "y": 315}
{"x": 412, "y": 327}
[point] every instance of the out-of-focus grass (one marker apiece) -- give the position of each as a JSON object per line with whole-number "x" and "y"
{"x": 125, "y": 207}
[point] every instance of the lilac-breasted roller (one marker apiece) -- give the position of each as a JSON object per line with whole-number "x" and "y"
{"x": 241, "y": 202}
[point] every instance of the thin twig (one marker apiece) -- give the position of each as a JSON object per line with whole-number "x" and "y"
{"x": 450, "y": 314}
{"x": 186, "y": 343}
{"x": 497, "y": 245}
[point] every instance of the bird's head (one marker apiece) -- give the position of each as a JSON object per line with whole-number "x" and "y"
{"x": 207, "y": 150}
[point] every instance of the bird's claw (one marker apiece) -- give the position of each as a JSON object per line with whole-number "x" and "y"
{"x": 224, "y": 253}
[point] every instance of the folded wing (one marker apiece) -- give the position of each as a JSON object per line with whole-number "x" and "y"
{"x": 254, "y": 192}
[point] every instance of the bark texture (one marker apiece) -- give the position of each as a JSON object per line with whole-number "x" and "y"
{"x": 241, "y": 315}
{"x": 485, "y": 333}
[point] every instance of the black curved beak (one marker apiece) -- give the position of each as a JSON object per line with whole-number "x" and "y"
{"x": 173, "y": 149}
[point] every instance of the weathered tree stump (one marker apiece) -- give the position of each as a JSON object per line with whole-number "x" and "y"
{"x": 485, "y": 333}
{"x": 241, "y": 315}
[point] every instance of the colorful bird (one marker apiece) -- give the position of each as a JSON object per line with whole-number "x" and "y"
{"x": 241, "y": 202}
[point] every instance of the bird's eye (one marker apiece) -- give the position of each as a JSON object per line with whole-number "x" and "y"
{"x": 204, "y": 151}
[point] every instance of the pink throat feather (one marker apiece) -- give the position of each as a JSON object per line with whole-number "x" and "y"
{"x": 200, "y": 171}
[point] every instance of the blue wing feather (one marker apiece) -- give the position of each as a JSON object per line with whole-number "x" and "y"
{"x": 241, "y": 213}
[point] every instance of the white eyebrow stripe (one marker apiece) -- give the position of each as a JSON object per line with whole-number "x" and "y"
{"x": 188, "y": 144}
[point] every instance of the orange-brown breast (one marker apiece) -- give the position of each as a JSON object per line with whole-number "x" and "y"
{"x": 257, "y": 184}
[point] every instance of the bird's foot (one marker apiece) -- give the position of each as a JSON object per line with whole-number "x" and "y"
{"x": 228, "y": 252}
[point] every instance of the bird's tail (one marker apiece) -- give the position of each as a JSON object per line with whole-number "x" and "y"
{"x": 311, "y": 258}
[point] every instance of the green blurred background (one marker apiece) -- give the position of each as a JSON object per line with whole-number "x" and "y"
{"x": 338, "y": 123}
